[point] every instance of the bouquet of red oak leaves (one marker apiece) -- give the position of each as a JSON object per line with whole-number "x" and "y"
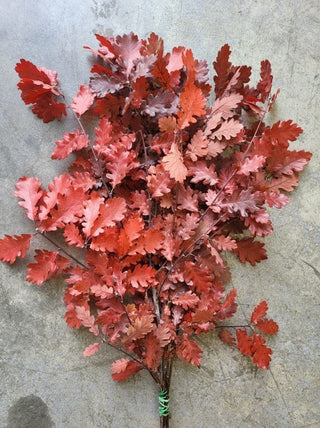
{"x": 166, "y": 186}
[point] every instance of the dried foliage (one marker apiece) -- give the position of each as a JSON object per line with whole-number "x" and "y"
{"x": 165, "y": 188}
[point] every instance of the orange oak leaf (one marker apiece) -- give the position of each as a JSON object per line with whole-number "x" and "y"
{"x": 139, "y": 329}
{"x": 192, "y": 102}
{"x": 12, "y": 247}
{"x": 173, "y": 163}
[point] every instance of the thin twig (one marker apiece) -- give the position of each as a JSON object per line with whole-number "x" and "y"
{"x": 152, "y": 373}
{"x": 63, "y": 250}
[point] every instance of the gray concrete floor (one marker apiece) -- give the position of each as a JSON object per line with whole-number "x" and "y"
{"x": 45, "y": 382}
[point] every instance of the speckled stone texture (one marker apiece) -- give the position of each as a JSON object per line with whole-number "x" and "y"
{"x": 45, "y": 381}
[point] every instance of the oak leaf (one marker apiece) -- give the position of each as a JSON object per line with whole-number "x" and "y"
{"x": 47, "y": 265}
{"x": 139, "y": 329}
{"x": 192, "y": 102}
{"x": 70, "y": 142}
{"x": 124, "y": 368}
{"x": 29, "y": 190}
{"x": 14, "y": 246}
{"x": 83, "y": 101}
{"x": 173, "y": 163}
{"x": 250, "y": 251}
{"x": 189, "y": 350}
{"x": 91, "y": 349}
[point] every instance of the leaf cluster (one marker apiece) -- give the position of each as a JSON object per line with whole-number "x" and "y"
{"x": 155, "y": 199}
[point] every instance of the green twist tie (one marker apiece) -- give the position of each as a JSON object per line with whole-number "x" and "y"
{"x": 164, "y": 407}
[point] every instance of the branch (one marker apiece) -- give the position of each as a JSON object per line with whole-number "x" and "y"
{"x": 61, "y": 249}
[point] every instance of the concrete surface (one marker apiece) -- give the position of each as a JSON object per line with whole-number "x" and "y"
{"x": 45, "y": 382}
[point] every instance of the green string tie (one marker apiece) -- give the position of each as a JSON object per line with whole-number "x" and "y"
{"x": 164, "y": 407}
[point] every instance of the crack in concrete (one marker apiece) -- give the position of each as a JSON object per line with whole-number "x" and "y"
{"x": 317, "y": 273}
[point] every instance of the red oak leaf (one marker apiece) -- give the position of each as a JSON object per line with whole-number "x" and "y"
{"x": 163, "y": 103}
{"x": 69, "y": 209}
{"x": 267, "y": 326}
{"x": 251, "y": 165}
{"x": 164, "y": 334}
{"x": 60, "y": 186}
{"x": 245, "y": 342}
{"x": 91, "y": 349}
{"x": 260, "y": 352}
{"x": 265, "y": 84}
{"x": 249, "y": 251}
{"x": 282, "y": 132}
{"x": 192, "y": 102}
{"x": 142, "y": 276}
{"x": 242, "y": 202}
{"x": 189, "y": 350}
{"x": 153, "y": 352}
{"x": 48, "y": 264}
{"x": 28, "y": 189}
{"x": 83, "y": 101}
{"x": 110, "y": 212}
{"x": 91, "y": 212}
{"x": 259, "y": 312}
{"x": 276, "y": 199}
{"x": 71, "y": 141}
{"x": 107, "y": 240}
{"x": 198, "y": 278}
{"x": 229, "y": 306}
{"x": 201, "y": 172}
{"x": 72, "y": 235}
{"x": 222, "y": 67}
{"x": 186, "y": 300}
{"x": 225, "y": 243}
{"x": 48, "y": 108}
{"x": 14, "y": 246}
{"x": 87, "y": 320}
{"x": 124, "y": 368}
{"x": 226, "y": 337}
{"x": 38, "y": 87}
